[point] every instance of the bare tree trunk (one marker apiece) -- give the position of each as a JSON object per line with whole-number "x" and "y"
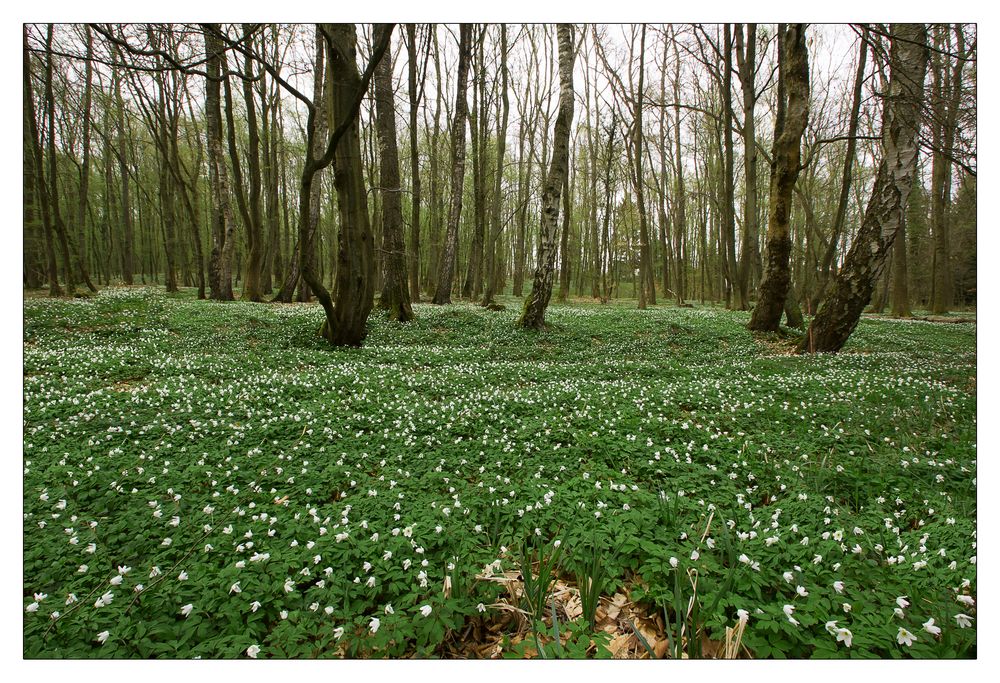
{"x": 477, "y": 125}
{"x": 34, "y": 145}
{"x": 825, "y": 273}
{"x": 792, "y": 116}
{"x": 746, "y": 55}
{"x": 81, "y": 214}
{"x": 948, "y": 92}
{"x": 886, "y": 209}
{"x": 414, "y": 98}
{"x": 729, "y": 199}
{"x": 497, "y": 226}
{"x": 523, "y": 183}
{"x": 255, "y": 230}
{"x": 395, "y": 294}
{"x": 564, "y": 257}
{"x": 354, "y": 291}
{"x": 447, "y": 265}
{"x": 537, "y": 301}
{"x": 220, "y": 260}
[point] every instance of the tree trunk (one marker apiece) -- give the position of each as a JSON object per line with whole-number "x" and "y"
{"x": 845, "y": 184}
{"x": 354, "y": 286}
{"x": 497, "y": 226}
{"x": 414, "y": 98}
{"x": 537, "y": 301}
{"x": 220, "y": 260}
{"x": 746, "y": 55}
{"x": 395, "y": 294}
{"x": 946, "y": 100}
{"x": 255, "y": 230}
{"x": 900, "y": 276}
{"x": 33, "y": 145}
{"x": 729, "y": 192}
{"x": 447, "y": 265}
{"x": 886, "y": 209}
{"x": 792, "y": 116}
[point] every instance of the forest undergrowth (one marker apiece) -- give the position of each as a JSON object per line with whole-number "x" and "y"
{"x": 213, "y": 480}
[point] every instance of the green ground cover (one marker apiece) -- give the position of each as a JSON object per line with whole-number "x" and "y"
{"x": 212, "y": 480}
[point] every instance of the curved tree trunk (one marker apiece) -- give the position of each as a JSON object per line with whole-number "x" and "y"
{"x": 792, "y": 116}
{"x": 537, "y": 301}
{"x": 886, "y": 209}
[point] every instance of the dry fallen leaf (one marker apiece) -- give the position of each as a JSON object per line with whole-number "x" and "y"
{"x": 621, "y": 645}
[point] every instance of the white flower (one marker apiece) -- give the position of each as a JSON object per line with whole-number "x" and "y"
{"x": 694, "y": 555}
{"x": 338, "y": 632}
{"x": 183, "y": 576}
{"x": 374, "y": 624}
{"x": 481, "y": 607}
{"x": 253, "y": 651}
{"x": 902, "y": 601}
{"x": 831, "y": 627}
{"x": 847, "y": 607}
{"x": 389, "y": 609}
{"x": 801, "y": 591}
{"x": 844, "y": 636}
{"x": 235, "y": 588}
{"x": 963, "y": 620}
{"x": 116, "y": 580}
{"x": 899, "y": 613}
{"x": 426, "y": 610}
{"x": 123, "y": 570}
{"x": 788, "y": 576}
{"x": 904, "y": 637}
{"x": 186, "y": 609}
{"x": 931, "y": 628}
{"x": 838, "y": 586}
{"x": 742, "y": 616}
{"x": 103, "y": 636}
{"x": 289, "y": 585}
{"x": 83, "y": 569}
{"x": 966, "y": 600}
{"x": 32, "y": 607}
{"x": 154, "y": 572}
{"x": 788, "y": 609}
{"x": 71, "y": 598}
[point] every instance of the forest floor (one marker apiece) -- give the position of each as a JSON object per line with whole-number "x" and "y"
{"x": 207, "y": 479}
